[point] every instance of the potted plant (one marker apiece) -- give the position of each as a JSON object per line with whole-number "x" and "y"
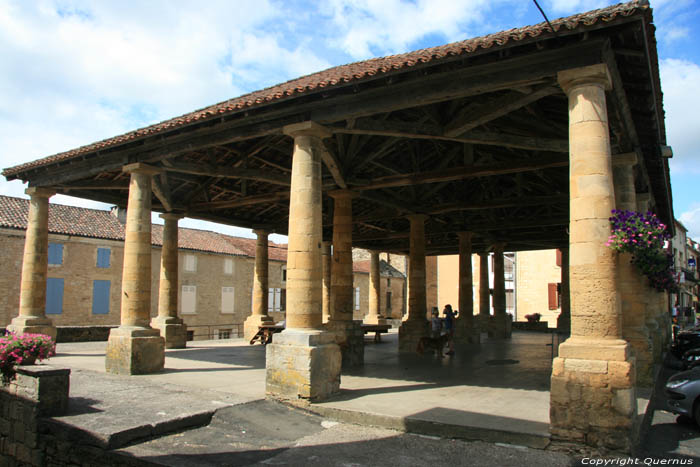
{"x": 643, "y": 236}
{"x": 533, "y": 318}
{"x": 23, "y": 350}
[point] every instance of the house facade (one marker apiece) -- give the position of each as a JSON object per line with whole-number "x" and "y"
{"x": 86, "y": 251}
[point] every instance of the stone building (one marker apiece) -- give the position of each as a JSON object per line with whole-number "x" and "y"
{"x": 85, "y": 261}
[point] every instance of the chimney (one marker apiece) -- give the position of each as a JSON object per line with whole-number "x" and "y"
{"x": 120, "y": 213}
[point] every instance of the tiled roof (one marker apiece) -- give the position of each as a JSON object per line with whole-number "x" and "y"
{"x": 82, "y": 222}
{"x": 352, "y": 72}
{"x": 385, "y": 269}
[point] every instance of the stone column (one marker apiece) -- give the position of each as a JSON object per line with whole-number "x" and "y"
{"x": 32, "y": 293}
{"x": 592, "y": 396}
{"x": 500, "y": 322}
{"x": 416, "y": 326}
{"x": 348, "y": 332}
{"x": 465, "y": 331}
{"x": 303, "y": 361}
{"x": 375, "y": 290}
{"x": 484, "y": 292}
{"x": 134, "y": 347}
{"x": 326, "y": 260}
{"x": 171, "y": 328}
{"x": 261, "y": 287}
{"x": 564, "y": 318}
{"x": 633, "y": 285}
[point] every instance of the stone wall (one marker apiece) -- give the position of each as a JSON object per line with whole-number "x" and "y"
{"x": 83, "y": 333}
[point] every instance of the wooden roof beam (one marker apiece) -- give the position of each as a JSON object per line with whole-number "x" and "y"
{"x": 229, "y": 172}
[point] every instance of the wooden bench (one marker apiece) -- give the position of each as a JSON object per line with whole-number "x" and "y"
{"x": 377, "y": 329}
{"x": 265, "y": 332}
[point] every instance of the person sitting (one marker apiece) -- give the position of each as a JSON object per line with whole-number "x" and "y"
{"x": 450, "y": 328}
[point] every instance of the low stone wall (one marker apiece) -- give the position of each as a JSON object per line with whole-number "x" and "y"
{"x": 28, "y": 437}
{"x": 540, "y": 326}
{"x": 83, "y": 333}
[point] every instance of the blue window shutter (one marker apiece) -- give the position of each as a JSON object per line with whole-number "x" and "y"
{"x": 54, "y": 296}
{"x": 103, "y": 257}
{"x": 100, "y": 297}
{"x": 55, "y": 253}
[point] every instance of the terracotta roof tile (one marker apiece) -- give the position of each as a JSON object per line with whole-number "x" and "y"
{"x": 94, "y": 223}
{"x": 348, "y": 73}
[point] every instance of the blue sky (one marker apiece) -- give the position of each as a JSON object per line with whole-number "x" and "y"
{"x": 73, "y": 72}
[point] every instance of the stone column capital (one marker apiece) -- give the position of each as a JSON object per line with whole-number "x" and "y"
{"x": 465, "y": 235}
{"x": 417, "y": 217}
{"x": 593, "y": 75}
{"x": 628, "y": 159}
{"x": 342, "y": 194}
{"x": 39, "y": 192}
{"x": 498, "y": 247}
{"x": 307, "y": 128}
{"x": 261, "y": 232}
{"x": 173, "y": 216}
{"x": 141, "y": 168}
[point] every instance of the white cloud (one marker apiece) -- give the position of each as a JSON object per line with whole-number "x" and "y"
{"x": 679, "y": 78}
{"x": 366, "y": 28}
{"x": 566, "y": 7}
{"x": 691, "y": 220}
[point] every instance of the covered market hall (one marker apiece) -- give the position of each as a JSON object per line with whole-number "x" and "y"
{"x": 521, "y": 140}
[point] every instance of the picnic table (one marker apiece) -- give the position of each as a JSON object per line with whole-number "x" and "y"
{"x": 377, "y": 329}
{"x": 265, "y": 332}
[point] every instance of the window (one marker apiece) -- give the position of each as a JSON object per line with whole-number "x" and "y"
{"x": 190, "y": 263}
{"x": 190, "y": 335}
{"x": 224, "y": 333}
{"x": 100, "y": 297}
{"x": 189, "y": 299}
{"x": 103, "y": 257}
{"x": 388, "y": 302}
{"x": 357, "y": 298}
{"x": 284, "y": 274}
{"x": 228, "y": 266}
{"x": 54, "y": 296}
{"x": 227, "y": 300}
{"x": 55, "y": 253}
{"x": 274, "y": 300}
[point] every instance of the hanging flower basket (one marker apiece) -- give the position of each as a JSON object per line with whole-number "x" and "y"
{"x": 644, "y": 236}
{"x": 23, "y": 350}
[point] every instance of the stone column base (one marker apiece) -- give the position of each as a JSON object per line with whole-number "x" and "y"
{"x": 464, "y": 335}
{"x": 134, "y": 351}
{"x": 643, "y": 353}
{"x": 481, "y": 323}
{"x": 250, "y": 325}
{"x": 500, "y": 327}
{"x": 410, "y": 333}
{"x": 370, "y": 319}
{"x": 592, "y": 395}
{"x": 351, "y": 340}
{"x": 173, "y": 330}
{"x": 564, "y": 323}
{"x": 32, "y": 325}
{"x": 302, "y": 364}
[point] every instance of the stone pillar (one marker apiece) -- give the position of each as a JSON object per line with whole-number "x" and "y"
{"x": 32, "y": 293}
{"x": 326, "y": 260}
{"x": 303, "y": 361}
{"x": 373, "y": 317}
{"x": 134, "y": 347}
{"x": 171, "y": 328}
{"x": 592, "y": 395}
{"x": 484, "y": 316}
{"x": 632, "y": 285}
{"x": 500, "y": 322}
{"x": 564, "y": 318}
{"x": 465, "y": 331}
{"x": 416, "y": 326}
{"x": 348, "y": 332}
{"x": 259, "y": 314}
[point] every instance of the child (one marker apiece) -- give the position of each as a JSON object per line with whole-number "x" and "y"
{"x": 435, "y": 324}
